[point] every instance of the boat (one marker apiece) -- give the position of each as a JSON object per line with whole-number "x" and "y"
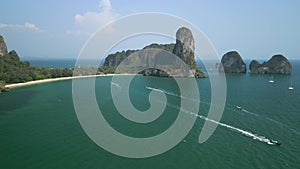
{"x": 291, "y": 86}
{"x": 274, "y": 142}
{"x": 115, "y": 84}
{"x": 239, "y": 107}
{"x": 271, "y": 80}
{"x": 154, "y": 89}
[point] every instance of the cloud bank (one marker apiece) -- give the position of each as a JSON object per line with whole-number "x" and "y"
{"x": 26, "y": 25}
{"x": 89, "y": 22}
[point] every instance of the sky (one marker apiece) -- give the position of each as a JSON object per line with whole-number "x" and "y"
{"x": 59, "y": 29}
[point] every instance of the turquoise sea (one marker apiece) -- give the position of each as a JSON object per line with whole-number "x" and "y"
{"x": 39, "y": 127}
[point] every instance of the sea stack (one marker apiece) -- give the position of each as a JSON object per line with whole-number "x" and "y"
{"x": 3, "y": 47}
{"x": 278, "y": 64}
{"x": 185, "y": 47}
{"x": 232, "y": 62}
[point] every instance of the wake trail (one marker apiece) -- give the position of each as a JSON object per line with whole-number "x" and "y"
{"x": 115, "y": 84}
{"x": 272, "y": 120}
{"x": 236, "y": 129}
{"x": 226, "y": 107}
{"x": 244, "y": 132}
{"x": 176, "y": 95}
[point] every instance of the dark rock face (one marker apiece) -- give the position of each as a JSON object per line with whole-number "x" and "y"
{"x": 116, "y": 58}
{"x": 13, "y": 54}
{"x": 185, "y": 47}
{"x": 4, "y": 52}
{"x": 232, "y": 62}
{"x": 278, "y": 64}
{"x": 3, "y": 47}
{"x": 155, "y": 72}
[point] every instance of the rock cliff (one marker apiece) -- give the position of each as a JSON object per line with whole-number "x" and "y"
{"x": 3, "y": 47}
{"x": 232, "y": 62}
{"x": 278, "y": 64}
{"x": 185, "y": 47}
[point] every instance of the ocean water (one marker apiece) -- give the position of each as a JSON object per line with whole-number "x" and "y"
{"x": 59, "y": 63}
{"x": 52, "y": 63}
{"x": 39, "y": 127}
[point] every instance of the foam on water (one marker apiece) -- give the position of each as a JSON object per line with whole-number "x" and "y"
{"x": 244, "y": 132}
{"x": 115, "y": 84}
{"x": 271, "y": 120}
{"x": 233, "y": 109}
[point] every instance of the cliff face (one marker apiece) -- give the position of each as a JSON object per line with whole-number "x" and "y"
{"x": 116, "y": 58}
{"x": 278, "y": 64}
{"x": 185, "y": 47}
{"x": 232, "y": 62}
{"x": 3, "y": 47}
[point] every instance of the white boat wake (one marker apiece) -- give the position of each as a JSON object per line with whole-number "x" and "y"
{"x": 272, "y": 120}
{"x": 244, "y": 132}
{"x": 115, "y": 84}
{"x": 234, "y": 109}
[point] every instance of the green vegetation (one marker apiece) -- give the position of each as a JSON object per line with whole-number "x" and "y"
{"x": 107, "y": 69}
{"x": 113, "y": 60}
{"x": 13, "y": 70}
{"x": 199, "y": 73}
{"x": 278, "y": 64}
{"x": 2, "y": 85}
{"x": 232, "y": 62}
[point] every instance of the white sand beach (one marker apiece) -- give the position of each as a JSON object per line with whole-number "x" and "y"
{"x": 57, "y": 79}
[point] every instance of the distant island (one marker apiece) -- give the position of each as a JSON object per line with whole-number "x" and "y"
{"x": 278, "y": 64}
{"x": 232, "y": 62}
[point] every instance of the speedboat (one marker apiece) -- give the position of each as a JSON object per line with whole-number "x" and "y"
{"x": 271, "y": 80}
{"x": 239, "y": 107}
{"x": 274, "y": 142}
{"x": 291, "y": 86}
{"x": 154, "y": 89}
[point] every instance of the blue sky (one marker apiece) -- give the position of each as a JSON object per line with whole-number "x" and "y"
{"x": 59, "y": 29}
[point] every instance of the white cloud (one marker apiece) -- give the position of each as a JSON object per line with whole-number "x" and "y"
{"x": 26, "y": 25}
{"x": 89, "y": 22}
{"x": 105, "y": 4}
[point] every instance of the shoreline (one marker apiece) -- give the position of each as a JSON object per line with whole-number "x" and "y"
{"x": 16, "y": 85}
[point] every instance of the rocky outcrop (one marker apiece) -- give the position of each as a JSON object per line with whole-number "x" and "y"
{"x": 185, "y": 47}
{"x": 155, "y": 72}
{"x": 3, "y": 47}
{"x": 278, "y": 64}
{"x": 116, "y": 58}
{"x": 232, "y": 62}
{"x": 14, "y": 55}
